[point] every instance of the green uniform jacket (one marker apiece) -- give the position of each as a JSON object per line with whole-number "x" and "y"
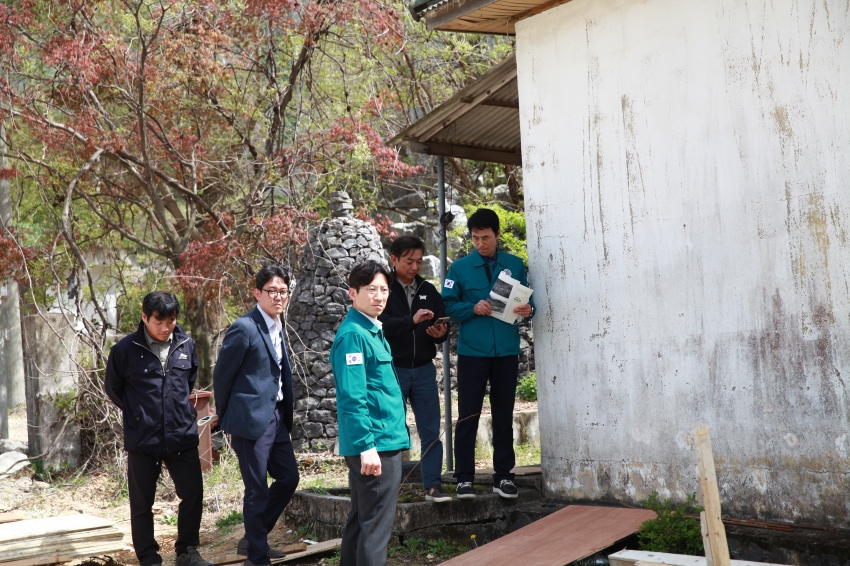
{"x": 369, "y": 405}
{"x": 465, "y": 285}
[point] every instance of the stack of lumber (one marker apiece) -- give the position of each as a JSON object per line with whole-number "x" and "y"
{"x": 57, "y": 539}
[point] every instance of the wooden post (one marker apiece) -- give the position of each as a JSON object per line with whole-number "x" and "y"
{"x": 713, "y": 525}
{"x": 703, "y": 525}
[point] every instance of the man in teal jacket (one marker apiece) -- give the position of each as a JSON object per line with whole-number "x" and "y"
{"x": 371, "y": 417}
{"x": 488, "y": 350}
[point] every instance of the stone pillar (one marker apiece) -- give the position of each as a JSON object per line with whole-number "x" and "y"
{"x": 50, "y": 347}
{"x": 317, "y": 308}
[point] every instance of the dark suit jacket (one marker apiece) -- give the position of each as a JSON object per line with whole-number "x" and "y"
{"x": 246, "y": 378}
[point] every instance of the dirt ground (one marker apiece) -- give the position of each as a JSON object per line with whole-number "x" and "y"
{"x": 103, "y": 494}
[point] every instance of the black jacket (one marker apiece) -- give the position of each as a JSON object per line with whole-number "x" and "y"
{"x": 158, "y": 415}
{"x": 411, "y": 346}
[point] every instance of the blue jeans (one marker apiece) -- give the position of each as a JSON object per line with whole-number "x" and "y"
{"x": 419, "y": 388}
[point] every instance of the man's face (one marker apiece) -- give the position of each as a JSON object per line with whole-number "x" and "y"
{"x": 159, "y": 327}
{"x": 273, "y": 297}
{"x": 371, "y": 299}
{"x": 484, "y": 240}
{"x": 408, "y": 265}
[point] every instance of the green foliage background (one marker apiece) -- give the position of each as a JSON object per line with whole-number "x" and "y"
{"x": 671, "y": 531}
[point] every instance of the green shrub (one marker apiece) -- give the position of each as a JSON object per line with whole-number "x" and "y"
{"x": 234, "y": 518}
{"x": 526, "y": 389}
{"x": 671, "y": 531}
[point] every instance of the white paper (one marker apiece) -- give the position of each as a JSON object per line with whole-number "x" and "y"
{"x": 506, "y": 295}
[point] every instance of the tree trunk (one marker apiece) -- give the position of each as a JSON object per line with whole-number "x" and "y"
{"x": 209, "y": 323}
{"x": 11, "y": 352}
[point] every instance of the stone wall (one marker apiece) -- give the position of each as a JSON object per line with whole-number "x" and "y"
{"x": 318, "y": 305}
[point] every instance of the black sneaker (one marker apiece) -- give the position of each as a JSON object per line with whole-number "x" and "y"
{"x": 506, "y": 489}
{"x": 465, "y": 490}
{"x": 191, "y": 558}
{"x": 437, "y": 494}
{"x": 242, "y": 548}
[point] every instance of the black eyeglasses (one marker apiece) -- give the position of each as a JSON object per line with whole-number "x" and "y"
{"x": 283, "y": 293}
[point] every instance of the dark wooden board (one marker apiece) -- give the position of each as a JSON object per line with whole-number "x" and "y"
{"x": 573, "y": 533}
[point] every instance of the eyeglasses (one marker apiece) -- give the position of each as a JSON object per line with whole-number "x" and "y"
{"x": 372, "y": 290}
{"x": 274, "y": 293}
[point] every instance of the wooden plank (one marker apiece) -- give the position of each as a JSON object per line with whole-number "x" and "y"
{"x": 234, "y": 558}
{"x": 633, "y": 557}
{"x": 11, "y": 517}
{"x": 312, "y": 549}
{"x": 64, "y": 556}
{"x": 571, "y": 534}
{"x": 519, "y": 471}
{"x": 34, "y": 547}
{"x": 706, "y": 544}
{"x": 32, "y": 528}
{"x": 718, "y": 549}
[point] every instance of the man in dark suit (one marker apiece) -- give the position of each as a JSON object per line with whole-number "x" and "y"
{"x": 253, "y": 395}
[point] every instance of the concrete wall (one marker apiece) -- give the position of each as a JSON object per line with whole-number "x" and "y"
{"x": 687, "y": 181}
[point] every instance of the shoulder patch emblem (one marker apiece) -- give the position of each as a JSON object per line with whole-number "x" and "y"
{"x": 183, "y": 357}
{"x": 355, "y": 359}
{"x": 423, "y": 297}
{"x": 507, "y": 272}
{"x": 449, "y": 284}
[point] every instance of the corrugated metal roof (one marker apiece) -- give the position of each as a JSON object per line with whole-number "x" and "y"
{"x": 480, "y": 122}
{"x": 478, "y": 16}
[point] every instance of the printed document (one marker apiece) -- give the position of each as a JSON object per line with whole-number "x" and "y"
{"x": 506, "y": 295}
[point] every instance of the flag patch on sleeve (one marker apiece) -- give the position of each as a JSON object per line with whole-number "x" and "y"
{"x": 449, "y": 284}
{"x": 355, "y": 359}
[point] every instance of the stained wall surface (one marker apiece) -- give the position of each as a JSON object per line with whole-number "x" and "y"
{"x": 687, "y": 180}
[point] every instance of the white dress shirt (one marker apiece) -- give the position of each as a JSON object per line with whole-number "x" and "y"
{"x": 275, "y": 329}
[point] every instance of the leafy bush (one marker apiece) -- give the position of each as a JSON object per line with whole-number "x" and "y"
{"x": 526, "y": 389}
{"x": 671, "y": 531}
{"x": 234, "y": 518}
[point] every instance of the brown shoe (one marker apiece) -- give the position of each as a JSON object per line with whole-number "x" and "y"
{"x": 436, "y": 494}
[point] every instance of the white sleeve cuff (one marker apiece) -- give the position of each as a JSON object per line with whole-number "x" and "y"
{"x": 373, "y": 450}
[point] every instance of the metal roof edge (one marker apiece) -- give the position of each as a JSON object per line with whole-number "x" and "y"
{"x": 473, "y": 89}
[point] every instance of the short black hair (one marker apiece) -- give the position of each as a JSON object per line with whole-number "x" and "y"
{"x": 406, "y": 244}
{"x": 365, "y": 272}
{"x": 269, "y": 272}
{"x": 482, "y": 219}
{"x": 163, "y": 303}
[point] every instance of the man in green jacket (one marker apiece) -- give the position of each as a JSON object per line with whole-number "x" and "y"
{"x": 487, "y": 350}
{"x": 371, "y": 417}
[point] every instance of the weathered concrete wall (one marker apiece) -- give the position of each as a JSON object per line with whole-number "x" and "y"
{"x": 687, "y": 181}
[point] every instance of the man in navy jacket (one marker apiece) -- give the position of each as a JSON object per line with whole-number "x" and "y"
{"x": 149, "y": 376}
{"x": 253, "y": 396}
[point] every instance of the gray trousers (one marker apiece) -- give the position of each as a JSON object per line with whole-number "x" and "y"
{"x": 373, "y": 503}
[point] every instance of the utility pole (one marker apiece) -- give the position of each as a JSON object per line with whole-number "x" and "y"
{"x": 11, "y": 347}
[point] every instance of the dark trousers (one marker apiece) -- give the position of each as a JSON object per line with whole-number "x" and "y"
{"x": 262, "y": 506}
{"x": 143, "y": 471}
{"x": 419, "y": 388}
{"x": 373, "y": 502}
{"x": 472, "y": 376}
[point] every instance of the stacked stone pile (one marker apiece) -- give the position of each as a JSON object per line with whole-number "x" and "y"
{"x": 319, "y": 304}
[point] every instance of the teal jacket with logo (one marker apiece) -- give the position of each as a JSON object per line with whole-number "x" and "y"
{"x": 465, "y": 285}
{"x": 369, "y": 405}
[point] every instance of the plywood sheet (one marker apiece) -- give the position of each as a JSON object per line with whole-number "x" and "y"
{"x": 32, "y": 528}
{"x": 573, "y": 533}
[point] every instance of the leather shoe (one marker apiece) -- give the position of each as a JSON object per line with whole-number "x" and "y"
{"x": 242, "y": 550}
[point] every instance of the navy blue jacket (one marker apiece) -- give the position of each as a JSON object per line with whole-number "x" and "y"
{"x": 158, "y": 415}
{"x": 410, "y": 343}
{"x": 246, "y": 379}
